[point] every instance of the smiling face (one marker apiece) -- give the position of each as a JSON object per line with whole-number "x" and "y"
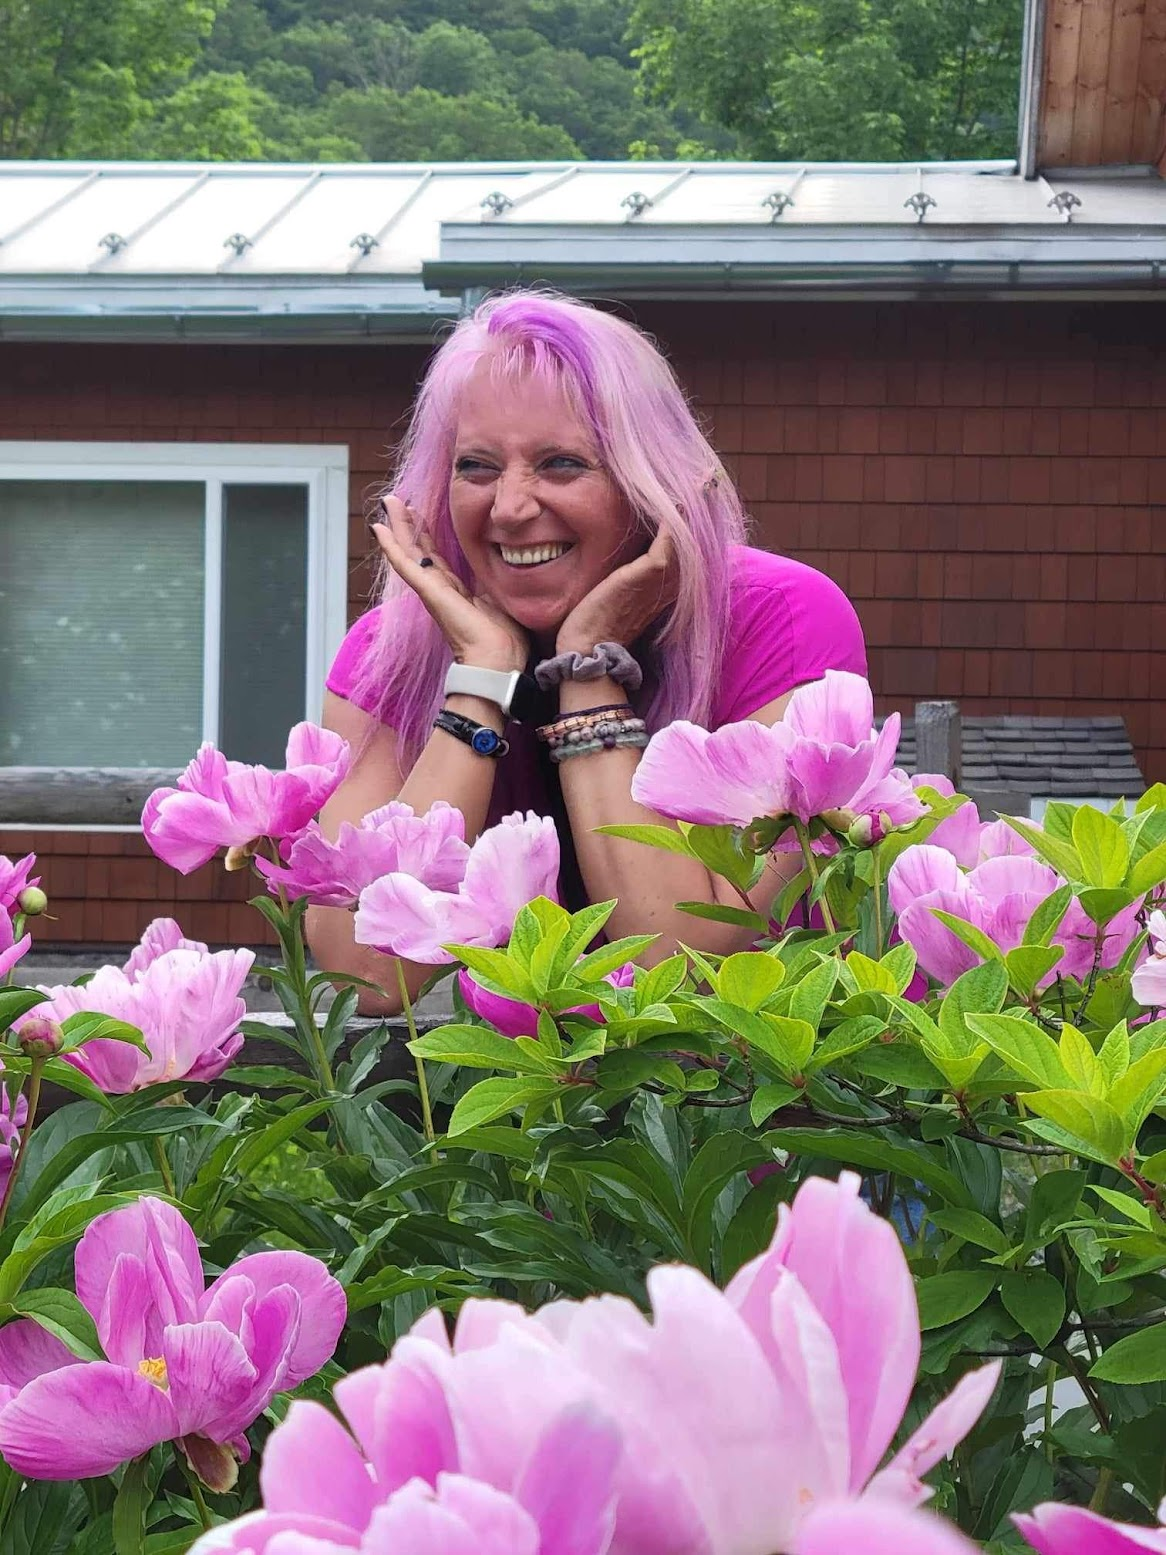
{"x": 539, "y": 519}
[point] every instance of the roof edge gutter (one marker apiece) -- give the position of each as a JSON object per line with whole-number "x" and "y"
{"x": 934, "y": 276}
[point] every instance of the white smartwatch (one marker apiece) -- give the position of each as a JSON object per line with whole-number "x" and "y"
{"x": 515, "y": 693}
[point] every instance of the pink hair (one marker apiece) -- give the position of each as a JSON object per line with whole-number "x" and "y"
{"x": 628, "y": 397}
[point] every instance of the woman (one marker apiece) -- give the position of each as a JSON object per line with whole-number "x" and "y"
{"x": 557, "y": 509}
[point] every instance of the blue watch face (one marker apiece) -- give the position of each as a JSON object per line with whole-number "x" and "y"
{"x": 485, "y": 742}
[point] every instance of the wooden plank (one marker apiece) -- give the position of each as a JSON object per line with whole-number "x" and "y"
{"x": 1121, "y": 96}
{"x": 1092, "y": 75}
{"x": 1058, "y": 99}
{"x": 1147, "y": 138}
{"x": 78, "y": 796}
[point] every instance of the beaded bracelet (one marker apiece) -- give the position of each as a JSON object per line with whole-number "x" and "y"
{"x": 583, "y": 719}
{"x": 603, "y": 729}
{"x": 636, "y": 738}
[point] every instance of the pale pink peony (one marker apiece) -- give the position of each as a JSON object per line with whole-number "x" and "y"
{"x": 392, "y": 840}
{"x": 16, "y": 875}
{"x": 228, "y": 804}
{"x": 12, "y": 949}
{"x": 736, "y": 1423}
{"x": 1149, "y": 980}
{"x": 186, "y": 1002}
{"x": 823, "y": 756}
{"x": 508, "y": 866}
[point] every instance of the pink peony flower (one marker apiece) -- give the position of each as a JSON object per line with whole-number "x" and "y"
{"x": 184, "y": 1000}
{"x": 513, "y": 1018}
{"x": 227, "y": 804}
{"x": 1054, "y": 1529}
{"x": 824, "y": 755}
{"x": 16, "y": 875}
{"x": 1149, "y": 980}
{"x": 747, "y": 1422}
{"x": 392, "y": 840}
{"x": 12, "y": 949}
{"x": 185, "y": 1363}
{"x": 998, "y": 896}
{"x": 508, "y": 866}
{"x": 12, "y": 1120}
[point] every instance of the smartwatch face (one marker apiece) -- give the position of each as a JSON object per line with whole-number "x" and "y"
{"x": 485, "y": 742}
{"x": 524, "y": 703}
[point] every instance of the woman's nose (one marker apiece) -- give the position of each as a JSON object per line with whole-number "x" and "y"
{"x": 514, "y": 498}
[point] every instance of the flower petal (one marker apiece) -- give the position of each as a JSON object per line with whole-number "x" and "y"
{"x": 460, "y": 1517}
{"x": 400, "y": 1415}
{"x": 84, "y": 1420}
{"x": 727, "y": 778}
{"x": 939, "y": 1435}
{"x": 27, "y": 1351}
{"x": 845, "y": 1528}
{"x": 568, "y": 1483}
{"x": 1071, "y": 1530}
{"x": 312, "y": 1465}
{"x": 209, "y": 1375}
{"x": 323, "y": 1306}
{"x": 257, "y": 1533}
{"x": 155, "y": 1234}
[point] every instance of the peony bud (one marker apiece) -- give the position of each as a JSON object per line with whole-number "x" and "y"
{"x": 32, "y": 901}
{"x": 40, "y": 1037}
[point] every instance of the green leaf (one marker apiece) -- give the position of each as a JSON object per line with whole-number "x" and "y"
{"x": 1053, "y": 1201}
{"x": 498, "y": 969}
{"x": 1093, "y": 1123}
{"x": 767, "y": 1099}
{"x": 900, "y": 962}
{"x": 1101, "y": 846}
{"x": 584, "y": 926}
{"x": 717, "y": 912}
{"x": 749, "y": 978}
{"x": 60, "y": 1313}
{"x": 15, "y": 1002}
{"x": 1102, "y": 905}
{"x": 612, "y": 956}
{"x": 129, "y": 1508}
{"x": 872, "y": 1150}
{"x": 660, "y": 982}
{"x": 91, "y": 1026}
{"x": 719, "y": 849}
{"x": 1029, "y": 965}
{"x": 665, "y": 837}
{"x": 1046, "y": 920}
{"x": 1138, "y": 1091}
{"x": 972, "y": 1227}
{"x": 811, "y": 993}
{"x": 849, "y": 1036}
{"x": 1080, "y": 1062}
{"x": 897, "y": 1063}
{"x": 968, "y": 934}
{"x": 945, "y": 1298}
{"x": 1036, "y": 1300}
{"x": 491, "y": 1099}
{"x": 717, "y": 1161}
{"x": 477, "y": 1047}
{"x": 1060, "y": 855}
{"x": 871, "y": 976}
{"x": 1023, "y": 1046}
{"x": 1148, "y": 871}
{"x": 1138, "y": 1358}
{"x": 626, "y": 1068}
{"x": 980, "y": 991}
{"x": 259, "y": 1146}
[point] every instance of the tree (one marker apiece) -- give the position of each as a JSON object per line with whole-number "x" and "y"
{"x": 77, "y": 76}
{"x": 424, "y": 126}
{"x": 840, "y": 79}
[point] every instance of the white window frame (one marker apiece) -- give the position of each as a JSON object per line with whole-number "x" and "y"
{"x": 322, "y": 468}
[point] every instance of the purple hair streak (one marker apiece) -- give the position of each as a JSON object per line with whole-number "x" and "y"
{"x": 628, "y": 397}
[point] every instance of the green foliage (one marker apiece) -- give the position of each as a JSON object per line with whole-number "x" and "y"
{"x": 874, "y": 80}
{"x": 336, "y": 80}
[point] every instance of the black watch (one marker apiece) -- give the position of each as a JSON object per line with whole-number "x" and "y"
{"x": 481, "y": 739}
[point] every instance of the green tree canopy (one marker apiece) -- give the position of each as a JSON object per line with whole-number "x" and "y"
{"x": 863, "y": 80}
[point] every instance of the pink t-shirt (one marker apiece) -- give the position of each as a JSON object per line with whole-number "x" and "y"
{"x": 787, "y": 625}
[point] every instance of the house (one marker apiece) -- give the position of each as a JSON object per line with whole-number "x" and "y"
{"x": 943, "y": 385}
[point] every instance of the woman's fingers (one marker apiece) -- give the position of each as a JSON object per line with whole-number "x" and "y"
{"x": 410, "y": 550}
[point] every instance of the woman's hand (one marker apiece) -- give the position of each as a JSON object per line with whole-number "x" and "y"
{"x": 476, "y": 630}
{"x": 626, "y": 602}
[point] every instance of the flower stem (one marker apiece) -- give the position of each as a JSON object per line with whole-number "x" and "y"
{"x": 877, "y": 879}
{"x": 37, "y": 1069}
{"x": 803, "y": 836}
{"x": 422, "y": 1085}
{"x": 164, "y": 1167}
{"x": 204, "y": 1511}
{"x": 295, "y": 971}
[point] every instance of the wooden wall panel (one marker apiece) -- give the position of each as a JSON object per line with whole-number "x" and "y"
{"x": 1103, "y": 93}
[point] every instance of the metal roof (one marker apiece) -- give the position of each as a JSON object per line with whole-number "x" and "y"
{"x": 377, "y": 249}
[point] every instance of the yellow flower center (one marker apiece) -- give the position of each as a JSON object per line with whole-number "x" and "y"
{"x": 155, "y": 1369}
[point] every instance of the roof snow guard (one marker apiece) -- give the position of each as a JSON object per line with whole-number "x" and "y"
{"x": 375, "y": 251}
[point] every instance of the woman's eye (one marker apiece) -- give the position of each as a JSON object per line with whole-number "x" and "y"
{"x": 470, "y": 466}
{"x": 565, "y": 462}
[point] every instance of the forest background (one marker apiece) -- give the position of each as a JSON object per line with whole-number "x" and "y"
{"x": 453, "y": 80}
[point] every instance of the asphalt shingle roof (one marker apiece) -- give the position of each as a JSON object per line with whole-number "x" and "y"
{"x": 1045, "y": 757}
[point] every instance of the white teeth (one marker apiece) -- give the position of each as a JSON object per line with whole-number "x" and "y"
{"x": 532, "y": 555}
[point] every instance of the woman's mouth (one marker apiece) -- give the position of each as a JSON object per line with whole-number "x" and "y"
{"x": 534, "y": 555}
